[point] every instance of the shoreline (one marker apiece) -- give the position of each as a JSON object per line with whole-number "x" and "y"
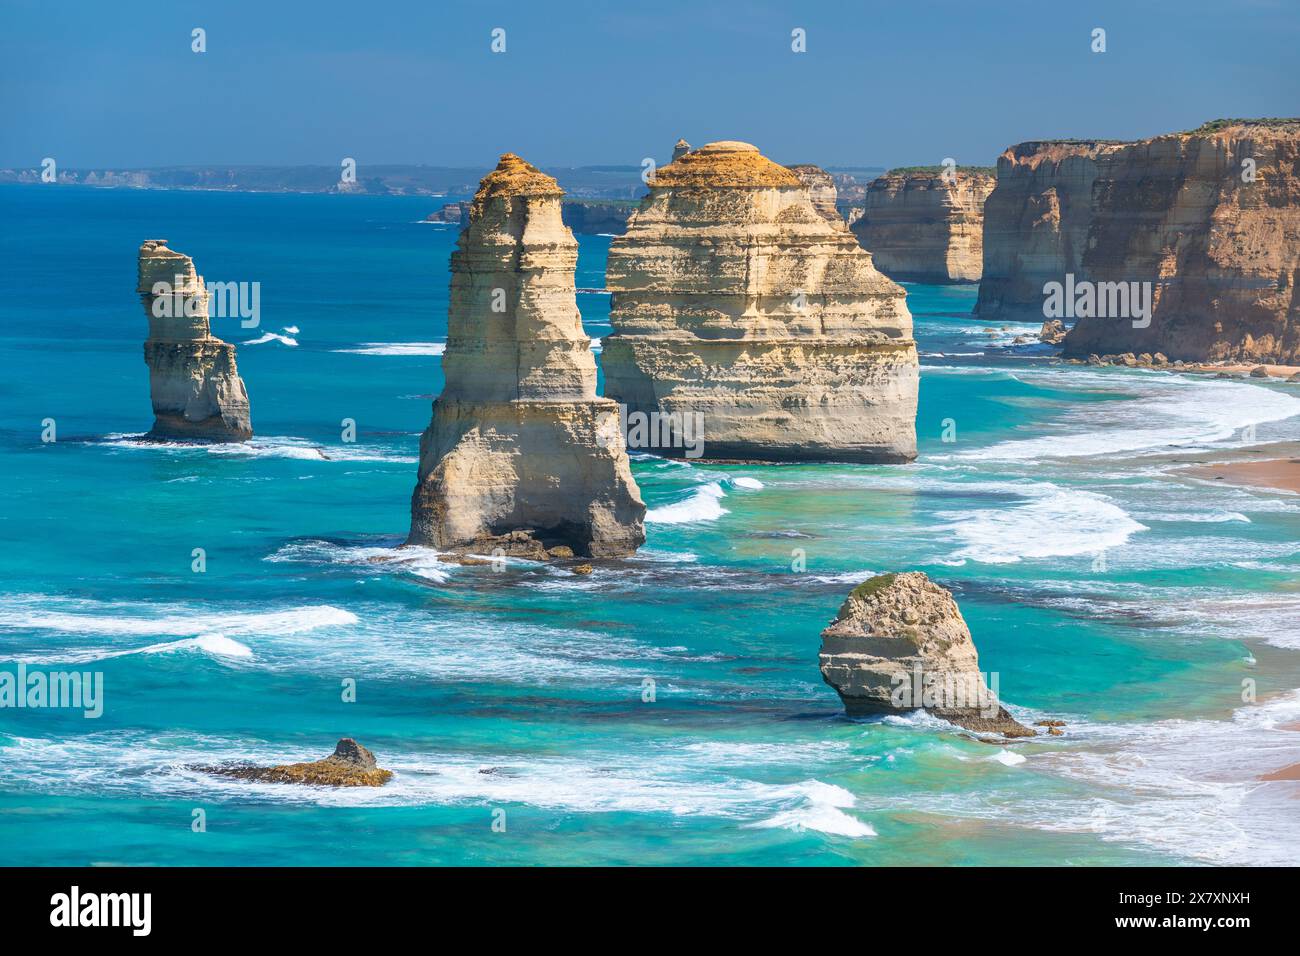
{"x": 1277, "y": 474}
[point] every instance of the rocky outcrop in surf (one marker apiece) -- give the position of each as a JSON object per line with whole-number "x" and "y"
{"x": 1183, "y": 244}
{"x": 900, "y": 644}
{"x": 738, "y": 304}
{"x": 193, "y": 380}
{"x": 925, "y": 224}
{"x": 351, "y": 765}
{"x": 521, "y": 454}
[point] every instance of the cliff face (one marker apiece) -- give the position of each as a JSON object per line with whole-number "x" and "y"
{"x": 1219, "y": 256}
{"x": 821, "y": 190}
{"x": 899, "y": 644}
{"x": 1036, "y": 224}
{"x": 734, "y": 298}
{"x": 193, "y": 381}
{"x": 1222, "y": 254}
{"x": 921, "y": 228}
{"x": 520, "y": 453}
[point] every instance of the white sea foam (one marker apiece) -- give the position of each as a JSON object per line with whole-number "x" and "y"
{"x": 41, "y": 612}
{"x": 266, "y": 447}
{"x": 674, "y": 782}
{"x": 273, "y": 337}
{"x": 215, "y": 645}
{"x": 419, "y": 561}
{"x": 1167, "y": 411}
{"x": 1055, "y": 522}
{"x": 1188, "y": 786}
{"x": 704, "y": 504}
{"x": 744, "y": 481}
{"x": 397, "y": 348}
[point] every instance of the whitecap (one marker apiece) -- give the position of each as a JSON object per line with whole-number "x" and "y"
{"x": 704, "y": 504}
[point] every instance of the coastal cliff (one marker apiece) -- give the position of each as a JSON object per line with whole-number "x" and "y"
{"x": 520, "y": 453}
{"x": 1211, "y": 219}
{"x": 1036, "y": 224}
{"x": 194, "y": 383}
{"x": 736, "y": 300}
{"x": 921, "y": 227}
{"x": 1185, "y": 245}
{"x": 899, "y": 644}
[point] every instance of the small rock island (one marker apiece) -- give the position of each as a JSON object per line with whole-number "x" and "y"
{"x": 899, "y": 644}
{"x": 351, "y": 765}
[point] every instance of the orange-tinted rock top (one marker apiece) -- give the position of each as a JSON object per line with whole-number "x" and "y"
{"x": 725, "y": 164}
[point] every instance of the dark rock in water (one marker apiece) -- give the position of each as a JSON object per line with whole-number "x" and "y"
{"x": 900, "y": 644}
{"x": 351, "y": 765}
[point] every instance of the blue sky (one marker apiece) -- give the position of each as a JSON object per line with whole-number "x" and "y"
{"x": 116, "y": 84}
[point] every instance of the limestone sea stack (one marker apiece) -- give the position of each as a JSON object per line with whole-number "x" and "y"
{"x": 521, "y": 454}
{"x": 900, "y": 644}
{"x": 193, "y": 380}
{"x": 921, "y": 225}
{"x": 737, "y": 303}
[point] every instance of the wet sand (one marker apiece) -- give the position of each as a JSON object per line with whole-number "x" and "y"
{"x": 1281, "y": 474}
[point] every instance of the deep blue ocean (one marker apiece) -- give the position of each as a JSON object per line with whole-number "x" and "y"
{"x": 1156, "y": 613}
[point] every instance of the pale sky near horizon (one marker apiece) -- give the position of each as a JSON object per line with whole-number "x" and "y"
{"x": 99, "y": 84}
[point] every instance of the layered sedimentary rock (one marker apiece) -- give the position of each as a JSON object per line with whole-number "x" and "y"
{"x": 351, "y": 765}
{"x": 1211, "y": 219}
{"x": 736, "y": 302}
{"x": 1036, "y": 224}
{"x": 193, "y": 381}
{"x": 1202, "y": 227}
{"x": 521, "y": 454}
{"x": 900, "y": 644}
{"x": 821, "y": 189}
{"x": 922, "y": 226}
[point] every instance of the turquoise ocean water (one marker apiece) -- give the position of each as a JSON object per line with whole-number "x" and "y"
{"x": 1102, "y": 585}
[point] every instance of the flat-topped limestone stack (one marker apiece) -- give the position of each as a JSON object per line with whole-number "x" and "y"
{"x": 1211, "y": 219}
{"x": 921, "y": 225}
{"x": 193, "y": 380}
{"x": 737, "y": 303}
{"x": 900, "y": 644}
{"x": 520, "y": 453}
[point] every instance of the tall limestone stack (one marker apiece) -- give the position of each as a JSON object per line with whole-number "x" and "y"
{"x": 1036, "y": 224}
{"x": 195, "y": 386}
{"x": 521, "y": 454}
{"x": 736, "y": 300}
{"x": 1211, "y": 219}
{"x": 921, "y": 226}
{"x": 899, "y": 644}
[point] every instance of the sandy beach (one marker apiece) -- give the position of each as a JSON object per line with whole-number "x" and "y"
{"x": 1281, "y": 474}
